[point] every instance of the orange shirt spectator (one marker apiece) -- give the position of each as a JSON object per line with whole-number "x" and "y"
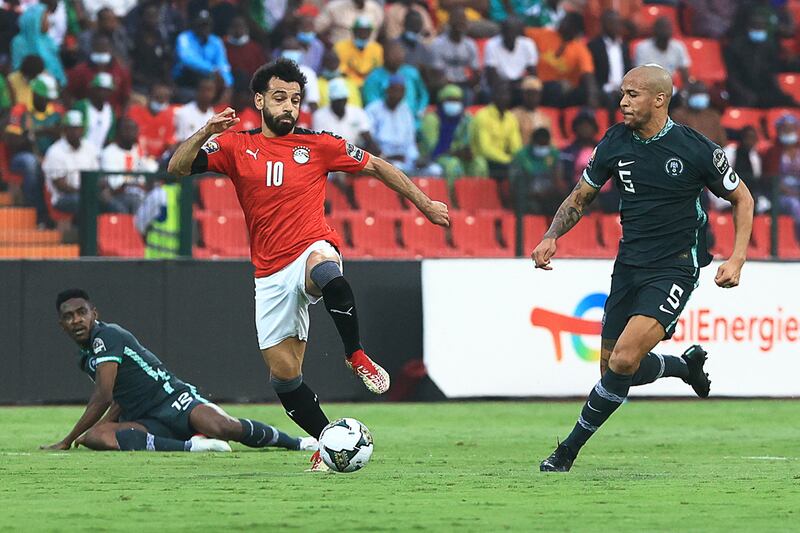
{"x": 560, "y": 60}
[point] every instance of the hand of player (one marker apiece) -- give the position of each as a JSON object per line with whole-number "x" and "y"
{"x": 543, "y": 252}
{"x": 222, "y": 121}
{"x": 728, "y": 273}
{"x": 436, "y": 212}
{"x": 60, "y": 445}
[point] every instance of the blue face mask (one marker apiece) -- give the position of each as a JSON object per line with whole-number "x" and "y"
{"x": 360, "y": 43}
{"x": 411, "y": 36}
{"x": 757, "y": 36}
{"x": 306, "y": 37}
{"x": 329, "y": 74}
{"x": 293, "y": 55}
{"x": 452, "y": 108}
{"x": 699, "y": 101}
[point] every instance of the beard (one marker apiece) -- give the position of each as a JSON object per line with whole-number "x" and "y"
{"x": 277, "y": 124}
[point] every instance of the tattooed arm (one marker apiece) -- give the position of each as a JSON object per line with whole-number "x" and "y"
{"x": 566, "y": 217}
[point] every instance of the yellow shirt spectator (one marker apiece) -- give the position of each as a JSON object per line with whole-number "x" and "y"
{"x": 357, "y": 64}
{"x": 496, "y": 136}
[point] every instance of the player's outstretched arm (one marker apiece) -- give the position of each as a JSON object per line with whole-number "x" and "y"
{"x": 180, "y": 164}
{"x": 396, "y": 180}
{"x": 99, "y": 402}
{"x": 568, "y": 214}
{"x": 742, "y": 201}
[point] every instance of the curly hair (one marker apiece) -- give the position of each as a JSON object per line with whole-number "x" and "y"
{"x": 283, "y": 69}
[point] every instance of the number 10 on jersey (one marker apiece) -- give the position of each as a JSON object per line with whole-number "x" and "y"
{"x": 274, "y": 173}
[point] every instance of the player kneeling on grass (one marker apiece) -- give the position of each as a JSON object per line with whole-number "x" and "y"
{"x": 145, "y": 406}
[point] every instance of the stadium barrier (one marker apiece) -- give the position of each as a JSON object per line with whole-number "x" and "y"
{"x": 521, "y": 332}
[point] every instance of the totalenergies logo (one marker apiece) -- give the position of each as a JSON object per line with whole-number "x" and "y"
{"x": 557, "y": 324}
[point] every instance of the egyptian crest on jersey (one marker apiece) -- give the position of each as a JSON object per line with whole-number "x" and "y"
{"x": 98, "y": 346}
{"x": 354, "y": 151}
{"x": 301, "y": 154}
{"x": 674, "y": 167}
{"x": 210, "y": 147}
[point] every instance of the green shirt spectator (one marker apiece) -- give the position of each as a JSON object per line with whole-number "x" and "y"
{"x": 536, "y": 175}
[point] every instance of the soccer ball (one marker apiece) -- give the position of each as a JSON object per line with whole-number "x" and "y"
{"x": 345, "y": 445}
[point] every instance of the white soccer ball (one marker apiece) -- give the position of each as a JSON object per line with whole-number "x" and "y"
{"x": 345, "y": 445}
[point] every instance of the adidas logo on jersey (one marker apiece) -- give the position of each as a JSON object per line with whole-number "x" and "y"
{"x": 301, "y": 155}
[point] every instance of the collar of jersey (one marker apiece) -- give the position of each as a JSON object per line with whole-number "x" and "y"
{"x": 657, "y": 136}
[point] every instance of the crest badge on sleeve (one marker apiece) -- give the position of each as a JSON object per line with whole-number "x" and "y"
{"x": 720, "y": 161}
{"x": 354, "y": 151}
{"x": 98, "y": 346}
{"x": 210, "y": 147}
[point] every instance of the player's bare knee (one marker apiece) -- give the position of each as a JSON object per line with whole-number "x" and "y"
{"x": 101, "y": 438}
{"x": 624, "y": 360}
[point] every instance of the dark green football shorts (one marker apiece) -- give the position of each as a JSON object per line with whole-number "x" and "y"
{"x": 171, "y": 417}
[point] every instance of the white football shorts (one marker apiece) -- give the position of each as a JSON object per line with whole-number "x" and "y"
{"x": 282, "y": 300}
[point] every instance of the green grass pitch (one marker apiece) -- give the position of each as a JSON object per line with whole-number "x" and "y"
{"x": 472, "y": 466}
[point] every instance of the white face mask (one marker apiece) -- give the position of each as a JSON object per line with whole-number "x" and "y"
{"x": 788, "y": 138}
{"x": 100, "y": 58}
{"x": 239, "y": 41}
{"x": 452, "y": 108}
{"x": 158, "y": 107}
{"x": 541, "y": 151}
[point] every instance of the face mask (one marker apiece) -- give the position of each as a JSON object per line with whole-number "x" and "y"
{"x": 330, "y": 74}
{"x": 157, "y": 107}
{"x": 452, "y": 109}
{"x": 788, "y": 138}
{"x": 699, "y": 101}
{"x": 360, "y": 43}
{"x": 99, "y": 58}
{"x": 757, "y": 36}
{"x": 293, "y": 55}
{"x": 411, "y": 36}
{"x": 239, "y": 41}
{"x": 306, "y": 37}
{"x": 541, "y": 151}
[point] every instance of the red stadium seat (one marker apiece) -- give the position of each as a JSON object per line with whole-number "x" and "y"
{"x": 218, "y": 195}
{"x": 762, "y": 238}
{"x": 533, "y": 228}
{"x": 610, "y": 232}
{"x": 476, "y": 236}
{"x": 736, "y": 118}
{"x": 55, "y": 214}
{"x": 373, "y": 196}
{"x": 423, "y": 239}
{"x": 336, "y": 198}
{"x": 777, "y": 112}
{"x": 790, "y": 83}
{"x": 581, "y": 240}
{"x": 600, "y": 115}
{"x": 559, "y": 135}
{"x": 650, "y": 13}
{"x": 374, "y": 236}
{"x": 435, "y": 188}
{"x": 475, "y": 194}
{"x": 117, "y": 236}
{"x": 225, "y": 235}
{"x": 707, "y": 64}
{"x": 722, "y": 228}
{"x": 788, "y": 246}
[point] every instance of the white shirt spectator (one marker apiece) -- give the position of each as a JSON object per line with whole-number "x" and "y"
{"x": 338, "y": 16}
{"x": 351, "y": 126}
{"x": 119, "y": 7}
{"x": 58, "y": 23}
{"x": 98, "y": 124}
{"x": 189, "y": 118}
{"x": 674, "y": 57}
{"x": 616, "y": 64}
{"x": 511, "y": 64}
{"x": 311, "y": 90}
{"x": 113, "y": 158}
{"x": 63, "y": 161}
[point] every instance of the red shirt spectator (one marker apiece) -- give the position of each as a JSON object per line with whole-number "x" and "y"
{"x": 244, "y": 55}
{"x": 156, "y": 130}
{"x": 81, "y": 75}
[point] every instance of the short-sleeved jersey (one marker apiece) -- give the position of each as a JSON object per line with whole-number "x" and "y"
{"x": 660, "y": 180}
{"x": 280, "y": 182}
{"x": 143, "y": 381}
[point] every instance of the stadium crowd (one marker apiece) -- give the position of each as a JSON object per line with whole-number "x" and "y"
{"x": 519, "y": 91}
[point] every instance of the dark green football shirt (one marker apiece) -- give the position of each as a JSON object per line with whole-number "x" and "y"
{"x": 660, "y": 181}
{"x": 143, "y": 382}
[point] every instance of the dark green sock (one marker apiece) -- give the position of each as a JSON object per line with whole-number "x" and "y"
{"x": 655, "y": 366}
{"x": 259, "y": 435}
{"x": 135, "y": 440}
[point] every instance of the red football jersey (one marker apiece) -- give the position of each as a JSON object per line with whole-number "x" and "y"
{"x": 280, "y": 183}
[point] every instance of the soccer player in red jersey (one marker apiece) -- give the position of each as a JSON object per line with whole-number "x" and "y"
{"x": 279, "y": 172}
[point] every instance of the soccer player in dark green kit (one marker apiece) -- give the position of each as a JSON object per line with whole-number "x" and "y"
{"x": 137, "y": 404}
{"x": 660, "y": 169}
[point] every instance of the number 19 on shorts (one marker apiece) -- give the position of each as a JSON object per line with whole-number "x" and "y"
{"x": 274, "y": 173}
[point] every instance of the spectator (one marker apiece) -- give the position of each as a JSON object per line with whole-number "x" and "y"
{"x": 64, "y": 162}
{"x": 19, "y": 80}
{"x": 534, "y": 13}
{"x": 99, "y": 119}
{"x": 629, "y": 12}
{"x": 336, "y": 22}
{"x": 697, "y": 113}
{"x": 359, "y": 56}
{"x": 313, "y": 48}
{"x": 9, "y": 16}
{"x": 663, "y": 50}
{"x": 711, "y": 18}
{"x": 156, "y": 122}
{"x": 222, "y": 13}
{"x": 782, "y": 163}
{"x": 393, "y": 127}
{"x": 528, "y": 115}
{"x": 100, "y": 60}
{"x": 249, "y": 117}
{"x": 107, "y": 24}
{"x": 536, "y": 176}
{"x": 565, "y": 64}
{"x": 125, "y": 192}
{"x": 293, "y": 51}
{"x": 753, "y": 61}
{"x": 495, "y": 136}
{"x": 510, "y": 56}
{"x": 377, "y": 83}
{"x": 779, "y": 21}
{"x": 33, "y": 39}
{"x": 414, "y": 42}
{"x": 28, "y": 135}
{"x": 192, "y": 116}
{"x": 153, "y": 53}
{"x": 611, "y": 60}
{"x": 56, "y": 20}
{"x": 576, "y": 156}
{"x": 347, "y": 121}
{"x": 244, "y": 55}
{"x": 330, "y": 70}
{"x": 199, "y": 54}
{"x": 120, "y": 7}
{"x": 169, "y": 19}
{"x": 748, "y": 165}
{"x": 457, "y": 55}
{"x": 445, "y": 137}
{"x": 396, "y": 19}
{"x": 158, "y": 220}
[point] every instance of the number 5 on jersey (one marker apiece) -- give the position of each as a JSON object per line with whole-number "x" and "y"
{"x": 274, "y": 173}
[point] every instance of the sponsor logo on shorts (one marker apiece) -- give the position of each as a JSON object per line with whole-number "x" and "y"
{"x": 354, "y": 151}
{"x": 301, "y": 155}
{"x": 98, "y": 346}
